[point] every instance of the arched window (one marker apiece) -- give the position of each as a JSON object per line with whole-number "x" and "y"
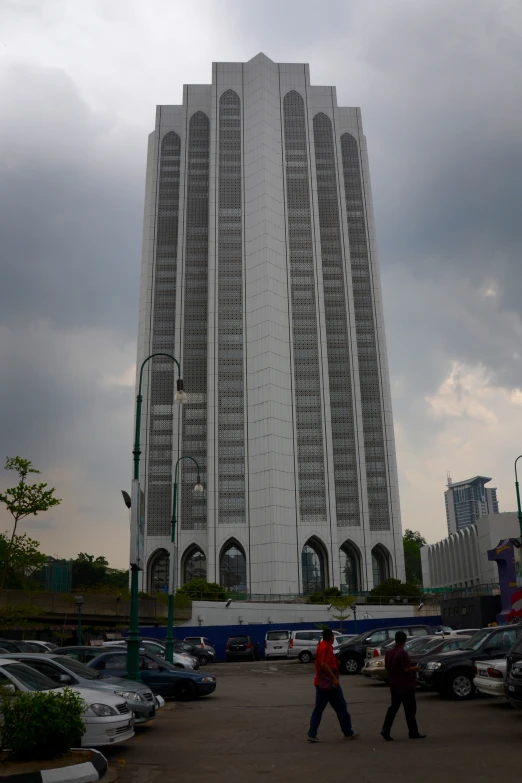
{"x": 313, "y": 562}
{"x": 350, "y": 563}
{"x": 380, "y": 564}
{"x": 232, "y": 567}
{"x": 159, "y": 572}
{"x": 194, "y": 565}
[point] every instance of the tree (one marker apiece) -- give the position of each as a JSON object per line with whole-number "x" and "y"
{"x": 412, "y": 541}
{"x": 24, "y": 500}
{"x": 325, "y": 596}
{"x": 24, "y": 560}
{"x": 201, "y": 590}
{"x": 343, "y": 607}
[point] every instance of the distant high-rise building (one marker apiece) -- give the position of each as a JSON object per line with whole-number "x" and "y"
{"x": 467, "y": 501}
{"x": 260, "y": 275}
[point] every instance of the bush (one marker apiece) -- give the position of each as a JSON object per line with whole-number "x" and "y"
{"x": 42, "y": 724}
{"x": 201, "y": 590}
{"x": 325, "y": 596}
{"x": 391, "y": 588}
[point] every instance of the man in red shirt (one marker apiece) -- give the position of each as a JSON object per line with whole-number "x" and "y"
{"x": 328, "y": 690}
{"x": 402, "y": 680}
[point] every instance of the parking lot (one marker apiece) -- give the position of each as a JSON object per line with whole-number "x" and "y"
{"x": 255, "y": 726}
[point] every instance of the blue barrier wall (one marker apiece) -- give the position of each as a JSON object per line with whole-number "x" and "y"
{"x": 219, "y": 634}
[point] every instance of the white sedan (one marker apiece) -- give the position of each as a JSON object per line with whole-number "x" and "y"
{"x": 107, "y": 717}
{"x": 489, "y": 677}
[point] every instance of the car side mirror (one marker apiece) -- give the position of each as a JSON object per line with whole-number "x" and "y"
{"x": 65, "y": 679}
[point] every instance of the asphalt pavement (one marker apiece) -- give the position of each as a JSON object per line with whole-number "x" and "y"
{"x": 255, "y": 724}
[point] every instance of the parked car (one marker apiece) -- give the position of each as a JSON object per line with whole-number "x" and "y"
{"x": 107, "y": 717}
{"x": 374, "y": 667}
{"x": 66, "y": 671}
{"x": 15, "y": 646}
{"x": 40, "y": 646}
{"x": 452, "y": 673}
{"x": 341, "y": 639}
{"x": 202, "y": 642}
{"x": 303, "y": 645}
{"x": 276, "y": 643}
{"x": 442, "y": 629}
{"x": 351, "y": 655}
{"x": 242, "y": 646}
{"x": 150, "y": 645}
{"x": 84, "y": 653}
{"x": 513, "y": 682}
{"x": 490, "y": 677}
{"x": 87, "y": 654}
{"x": 202, "y": 656}
{"x": 160, "y": 676}
{"x": 465, "y": 632}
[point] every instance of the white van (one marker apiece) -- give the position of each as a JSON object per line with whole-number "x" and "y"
{"x": 276, "y": 643}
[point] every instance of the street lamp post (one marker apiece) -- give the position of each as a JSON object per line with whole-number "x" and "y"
{"x": 79, "y": 603}
{"x": 354, "y": 609}
{"x": 169, "y": 641}
{"x": 133, "y": 640}
{"x": 518, "y": 496}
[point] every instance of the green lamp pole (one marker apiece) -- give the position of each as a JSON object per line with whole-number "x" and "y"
{"x": 133, "y": 640}
{"x": 518, "y": 496}
{"x": 169, "y": 641}
{"x": 79, "y": 603}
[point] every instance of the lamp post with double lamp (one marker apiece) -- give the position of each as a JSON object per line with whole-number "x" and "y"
{"x": 78, "y": 599}
{"x": 133, "y": 640}
{"x": 198, "y": 489}
{"x": 518, "y": 496}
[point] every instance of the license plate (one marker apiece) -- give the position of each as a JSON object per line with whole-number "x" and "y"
{"x": 278, "y": 647}
{"x": 511, "y": 688}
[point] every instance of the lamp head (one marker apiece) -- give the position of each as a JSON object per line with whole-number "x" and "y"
{"x": 180, "y": 395}
{"x": 198, "y": 489}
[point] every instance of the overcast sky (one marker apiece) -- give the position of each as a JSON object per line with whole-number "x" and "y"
{"x": 439, "y": 83}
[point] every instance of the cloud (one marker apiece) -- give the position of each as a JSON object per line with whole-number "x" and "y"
{"x": 439, "y": 86}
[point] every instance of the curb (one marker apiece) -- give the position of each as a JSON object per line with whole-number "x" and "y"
{"x": 86, "y": 772}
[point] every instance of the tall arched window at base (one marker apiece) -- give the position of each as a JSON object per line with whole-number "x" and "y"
{"x": 313, "y": 562}
{"x": 380, "y": 564}
{"x": 232, "y": 567}
{"x": 159, "y": 572}
{"x": 194, "y": 564}
{"x": 350, "y": 563}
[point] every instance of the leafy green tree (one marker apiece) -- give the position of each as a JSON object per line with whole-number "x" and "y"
{"x": 200, "y": 589}
{"x": 412, "y": 541}
{"x": 24, "y": 500}
{"x": 343, "y": 607}
{"x": 25, "y": 559}
{"x": 18, "y": 616}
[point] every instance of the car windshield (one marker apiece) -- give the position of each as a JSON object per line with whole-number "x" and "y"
{"x": 238, "y": 639}
{"x": 426, "y": 644}
{"x": 76, "y": 667}
{"x": 475, "y": 643}
{"x": 30, "y": 678}
{"x": 277, "y": 636}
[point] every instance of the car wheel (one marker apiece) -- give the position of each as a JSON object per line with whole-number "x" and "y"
{"x": 178, "y": 666}
{"x": 203, "y": 660}
{"x": 305, "y": 657}
{"x": 460, "y": 686}
{"x": 350, "y": 665}
{"x": 185, "y": 691}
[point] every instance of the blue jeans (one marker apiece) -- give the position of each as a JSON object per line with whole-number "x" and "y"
{"x": 335, "y": 697}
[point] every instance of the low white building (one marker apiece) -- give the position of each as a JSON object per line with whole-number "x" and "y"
{"x": 461, "y": 559}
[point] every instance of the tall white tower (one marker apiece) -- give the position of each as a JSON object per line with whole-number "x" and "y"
{"x": 260, "y": 275}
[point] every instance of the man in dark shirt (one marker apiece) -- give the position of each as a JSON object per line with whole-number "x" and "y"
{"x": 401, "y": 676}
{"x": 328, "y": 690}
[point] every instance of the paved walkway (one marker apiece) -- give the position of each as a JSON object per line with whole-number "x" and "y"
{"x": 255, "y": 724}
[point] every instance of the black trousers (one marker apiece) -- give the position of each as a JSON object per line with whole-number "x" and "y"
{"x": 410, "y": 708}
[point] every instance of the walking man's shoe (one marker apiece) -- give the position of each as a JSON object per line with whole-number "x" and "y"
{"x": 353, "y": 735}
{"x": 312, "y": 739}
{"x": 419, "y": 736}
{"x": 386, "y": 736}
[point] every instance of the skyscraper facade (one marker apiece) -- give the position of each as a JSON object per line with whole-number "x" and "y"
{"x": 260, "y": 276}
{"x": 467, "y": 501}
